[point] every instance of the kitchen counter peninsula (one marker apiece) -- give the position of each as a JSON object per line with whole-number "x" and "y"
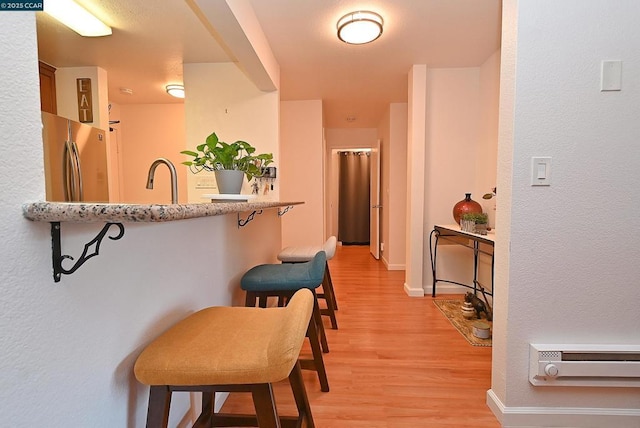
{"x": 80, "y": 212}
{"x": 114, "y": 215}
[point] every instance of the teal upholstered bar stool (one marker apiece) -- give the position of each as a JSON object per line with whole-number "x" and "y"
{"x": 299, "y": 254}
{"x": 282, "y": 281}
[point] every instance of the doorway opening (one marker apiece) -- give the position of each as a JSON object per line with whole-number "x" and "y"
{"x": 370, "y": 193}
{"x": 354, "y": 197}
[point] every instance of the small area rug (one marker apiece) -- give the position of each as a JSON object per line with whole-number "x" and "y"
{"x": 451, "y": 310}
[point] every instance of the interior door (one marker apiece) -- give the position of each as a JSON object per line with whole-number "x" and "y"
{"x": 374, "y": 188}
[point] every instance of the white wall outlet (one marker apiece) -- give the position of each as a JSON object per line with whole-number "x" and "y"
{"x": 206, "y": 183}
{"x": 382, "y": 246}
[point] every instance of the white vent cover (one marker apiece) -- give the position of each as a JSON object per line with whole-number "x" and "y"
{"x": 584, "y": 365}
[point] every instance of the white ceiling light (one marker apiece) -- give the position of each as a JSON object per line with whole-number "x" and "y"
{"x": 175, "y": 91}
{"x": 77, "y": 18}
{"x": 360, "y": 27}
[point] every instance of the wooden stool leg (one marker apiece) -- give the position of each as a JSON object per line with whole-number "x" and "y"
{"x": 329, "y": 298}
{"x": 317, "y": 363}
{"x": 262, "y": 301}
{"x": 250, "y": 299}
{"x": 300, "y": 395}
{"x": 159, "y": 402}
{"x": 317, "y": 316}
{"x": 206, "y": 417}
{"x": 330, "y": 284}
{"x": 265, "y": 406}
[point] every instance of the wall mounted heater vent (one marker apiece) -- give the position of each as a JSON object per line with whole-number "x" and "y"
{"x": 584, "y": 365}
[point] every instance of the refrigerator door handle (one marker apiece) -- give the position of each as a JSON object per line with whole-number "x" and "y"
{"x": 68, "y": 173}
{"x": 76, "y": 157}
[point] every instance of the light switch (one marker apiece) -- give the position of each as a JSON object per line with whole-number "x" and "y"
{"x": 611, "y": 79}
{"x": 541, "y": 171}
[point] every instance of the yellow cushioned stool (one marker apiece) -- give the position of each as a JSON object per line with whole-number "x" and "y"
{"x": 226, "y": 349}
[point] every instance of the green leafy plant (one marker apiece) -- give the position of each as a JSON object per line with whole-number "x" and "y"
{"x": 216, "y": 155}
{"x": 482, "y": 218}
{"x": 477, "y": 218}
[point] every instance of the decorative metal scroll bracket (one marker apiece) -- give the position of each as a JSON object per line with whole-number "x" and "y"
{"x": 91, "y": 249}
{"x": 284, "y": 211}
{"x": 250, "y": 217}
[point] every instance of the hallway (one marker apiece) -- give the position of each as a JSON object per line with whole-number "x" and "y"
{"x": 395, "y": 361}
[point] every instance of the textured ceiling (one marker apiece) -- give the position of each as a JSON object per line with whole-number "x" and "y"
{"x": 151, "y": 41}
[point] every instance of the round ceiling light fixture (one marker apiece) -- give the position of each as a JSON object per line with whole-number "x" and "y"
{"x": 357, "y": 28}
{"x": 175, "y": 90}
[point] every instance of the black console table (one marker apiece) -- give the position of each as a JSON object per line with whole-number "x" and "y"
{"x": 480, "y": 244}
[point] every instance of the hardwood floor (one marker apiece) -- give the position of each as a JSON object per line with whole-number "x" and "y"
{"x": 394, "y": 362}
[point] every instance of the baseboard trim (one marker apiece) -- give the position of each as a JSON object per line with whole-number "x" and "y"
{"x": 413, "y": 292}
{"x": 392, "y": 266}
{"x": 395, "y": 267}
{"x": 561, "y": 417}
{"x": 444, "y": 288}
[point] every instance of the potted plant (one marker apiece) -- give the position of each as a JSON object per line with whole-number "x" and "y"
{"x": 474, "y": 223}
{"x": 481, "y": 221}
{"x": 229, "y": 162}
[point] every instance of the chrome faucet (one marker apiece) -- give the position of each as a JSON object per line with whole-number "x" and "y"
{"x": 174, "y": 178}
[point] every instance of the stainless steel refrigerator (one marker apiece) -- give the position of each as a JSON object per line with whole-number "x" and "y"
{"x": 75, "y": 161}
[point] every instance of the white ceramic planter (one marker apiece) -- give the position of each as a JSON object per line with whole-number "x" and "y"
{"x": 229, "y": 181}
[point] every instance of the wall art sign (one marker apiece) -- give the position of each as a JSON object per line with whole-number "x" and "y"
{"x": 85, "y": 104}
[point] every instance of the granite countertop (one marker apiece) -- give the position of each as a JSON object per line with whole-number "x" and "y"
{"x": 75, "y": 212}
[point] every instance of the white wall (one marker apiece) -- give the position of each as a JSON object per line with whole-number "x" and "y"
{"x": 488, "y": 133}
{"x": 417, "y": 153}
{"x": 452, "y": 167}
{"x": 223, "y": 100}
{"x": 302, "y": 172}
{"x": 393, "y": 185}
{"x": 147, "y": 132}
{"x": 350, "y": 138}
{"x": 462, "y": 140}
{"x": 571, "y": 275}
{"x": 70, "y": 347}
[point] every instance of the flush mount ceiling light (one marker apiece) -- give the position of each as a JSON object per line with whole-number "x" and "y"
{"x": 360, "y": 27}
{"x": 175, "y": 91}
{"x": 77, "y": 18}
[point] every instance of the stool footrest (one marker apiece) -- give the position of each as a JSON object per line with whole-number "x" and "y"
{"x": 240, "y": 420}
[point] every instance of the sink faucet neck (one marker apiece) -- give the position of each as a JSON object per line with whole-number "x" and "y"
{"x": 174, "y": 177}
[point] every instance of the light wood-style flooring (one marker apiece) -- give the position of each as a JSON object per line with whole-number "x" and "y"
{"x": 394, "y": 362}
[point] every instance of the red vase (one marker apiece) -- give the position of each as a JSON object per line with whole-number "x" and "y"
{"x": 467, "y": 205}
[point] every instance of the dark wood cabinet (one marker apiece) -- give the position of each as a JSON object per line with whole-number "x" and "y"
{"x": 48, "y": 88}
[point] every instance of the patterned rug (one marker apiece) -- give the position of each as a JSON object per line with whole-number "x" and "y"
{"x": 451, "y": 310}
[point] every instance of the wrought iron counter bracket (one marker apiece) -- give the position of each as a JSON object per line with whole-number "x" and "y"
{"x": 250, "y": 217}
{"x": 93, "y": 246}
{"x": 285, "y": 210}
{"x": 448, "y": 234}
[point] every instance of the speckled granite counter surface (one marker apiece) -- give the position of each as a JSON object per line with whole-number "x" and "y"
{"x": 120, "y": 213}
